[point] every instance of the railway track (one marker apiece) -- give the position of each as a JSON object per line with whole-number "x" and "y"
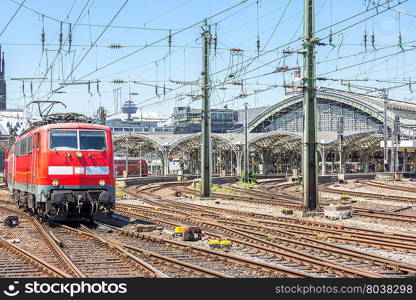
{"x": 268, "y": 200}
{"x": 254, "y": 198}
{"x": 277, "y": 254}
{"x": 18, "y": 263}
{"x": 86, "y": 254}
{"x": 247, "y": 235}
{"x": 376, "y": 183}
{"x": 324, "y": 188}
{"x": 175, "y": 268}
{"x": 363, "y": 212}
{"x": 98, "y": 257}
{"x": 263, "y": 260}
{"x": 201, "y": 260}
{"x": 351, "y": 235}
{"x": 384, "y": 215}
{"x": 285, "y": 220}
{"x": 292, "y": 240}
{"x": 34, "y": 239}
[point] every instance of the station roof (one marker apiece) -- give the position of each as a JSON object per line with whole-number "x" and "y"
{"x": 371, "y": 105}
{"x": 278, "y": 141}
{"x": 356, "y": 141}
{"x": 273, "y": 141}
{"x": 252, "y": 112}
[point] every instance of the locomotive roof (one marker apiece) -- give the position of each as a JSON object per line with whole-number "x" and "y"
{"x": 73, "y": 125}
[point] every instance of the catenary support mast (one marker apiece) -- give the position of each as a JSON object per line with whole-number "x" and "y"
{"x": 310, "y": 159}
{"x": 206, "y": 150}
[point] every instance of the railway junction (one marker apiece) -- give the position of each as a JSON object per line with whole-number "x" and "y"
{"x": 246, "y": 232}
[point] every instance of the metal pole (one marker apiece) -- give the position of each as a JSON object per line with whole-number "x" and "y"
{"x": 395, "y": 143}
{"x": 340, "y": 133}
{"x": 231, "y": 163}
{"x": 323, "y": 154}
{"x": 404, "y": 168}
{"x": 127, "y": 159}
{"x": 206, "y": 158}
{"x": 310, "y": 183}
{"x": 246, "y": 167}
{"x": 219, "y": 162}
{"x": 140, "y": 159}
{"x": 385, "y": 153}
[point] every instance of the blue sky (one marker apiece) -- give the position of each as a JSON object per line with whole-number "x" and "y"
{"x": 276, "y": 23}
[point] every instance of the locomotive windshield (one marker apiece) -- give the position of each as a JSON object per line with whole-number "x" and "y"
{"x": 92, "y": 140}
{"x": 64, "y": 140}
{"x": 77, "y": 140}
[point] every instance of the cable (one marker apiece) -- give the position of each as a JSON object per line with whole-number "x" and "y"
{"x": 368, "y": 61}
{"x": 267, "y": 64}
{"x": 166, "y": 12}
{"x": 216, "y": 72}
{"x": 11, "y": 19}
{"x": 153, "y": 43}
{"x": 49, "y": 68}
{"x": 92, "y": 25}
{"x": 277, "y": 25}
{"x": 89, "y": 49}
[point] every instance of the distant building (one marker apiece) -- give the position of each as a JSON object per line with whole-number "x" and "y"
{"x": 188, "y": 120}
{"x": 129, "y": 108}
{"x": 2, "y": 82}
{"x": 138, "y": 123}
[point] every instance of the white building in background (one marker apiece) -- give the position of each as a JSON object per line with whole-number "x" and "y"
{"x": 146, "y": 122}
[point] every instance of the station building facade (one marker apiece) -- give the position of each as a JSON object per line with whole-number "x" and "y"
{"x": 188, "y": 120}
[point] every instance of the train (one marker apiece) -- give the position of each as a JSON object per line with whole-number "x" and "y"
{"x": 63, "y": 171}
{"x": 134, "y": 165}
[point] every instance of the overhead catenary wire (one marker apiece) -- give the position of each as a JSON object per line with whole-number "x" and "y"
{"x": 263, "y": 65}
{"x": 92, "y": 25}
{"x": 96, "y": 40}
{"x": 162, "y": 39}
{"x": 11, "y": 19}
{"x": 49, "y": 67}
{"x": 269, "y": 51}
{"x": 282, "y": 46}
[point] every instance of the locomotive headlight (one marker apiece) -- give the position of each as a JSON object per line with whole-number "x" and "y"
{"x": 55, "y": 182}
{"x": 78, "y": 154}
{"x": 102, "y": 182}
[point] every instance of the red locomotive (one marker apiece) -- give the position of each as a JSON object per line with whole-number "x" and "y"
{"x": 63, "y": 171}
{"x": 134, "y": 165}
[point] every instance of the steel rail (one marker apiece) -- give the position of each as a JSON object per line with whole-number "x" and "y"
{"x": 163, "y": 257}
{"x": 279, "y": 250}
{"x": 236, "y": 259}
{"x": 119, "y": 249}
{"x": 33, "y": 260}
{"x": 50, "y": 241}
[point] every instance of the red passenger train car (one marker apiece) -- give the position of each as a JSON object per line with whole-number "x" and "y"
{"x": 134, "y": 165}
{"x": 63, "y": 171}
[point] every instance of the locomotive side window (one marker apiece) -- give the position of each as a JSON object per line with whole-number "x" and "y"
{"x": 30, "y": 144}
{"x": 92, "y": 140}
{"x": 23, "y": 147}
{"x": 63, "y": 140}
{"x": 17, "y": 149}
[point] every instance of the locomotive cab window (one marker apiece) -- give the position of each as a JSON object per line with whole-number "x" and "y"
{"x": 63, "y": 140}
{"x": 93, "y": 140}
